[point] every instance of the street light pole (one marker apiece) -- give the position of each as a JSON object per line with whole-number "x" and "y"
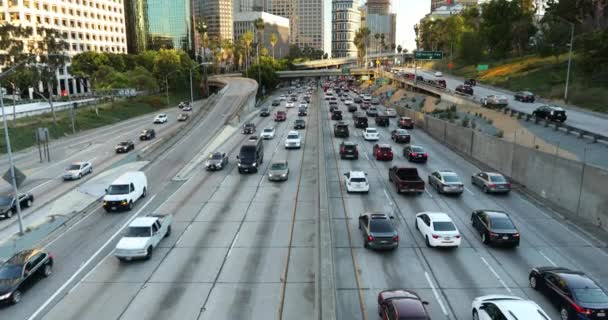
{"x": 10, "y": 163}
{"x": 191, "y": 93}
{"x": 569, "y": 61}
{"x": 167, "y": 88}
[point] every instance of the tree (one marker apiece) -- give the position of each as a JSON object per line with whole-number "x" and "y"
{"x": 273, "y": 42}
{"x": 246, "y": 40}
{"x": 553, "y": 38}
{"x": 166, "y": 62}
{"x": 470, "y": 48}
{"x": 266, "y": 73}
{"x": 399, "y": 48}
{"x": 498, "y": 16}
{"x": 86, "y": 65}
{"x": 377, "y": 37}
{"x": 259, "y": 28}
{"x": 361, "y": 41}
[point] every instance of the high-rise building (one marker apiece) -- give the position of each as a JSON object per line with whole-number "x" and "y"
{"x": 346, "y": 20}
{"x": 441, "y": 3}
{"x": 279, "y": 26}
{"x": 382, "y": 7}
{"x": 155, "y": 24}
{"x": 286, "y": 9}
{"x": 306, "y": 19}
{"x": 383, "y": 25}
{"x": 217, "y": 14}
{"x": 94, "y": 25}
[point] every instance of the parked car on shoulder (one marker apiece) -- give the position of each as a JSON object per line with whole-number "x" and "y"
{"x": 495, "y": 227}
{"x": 415, "y": 154}
{"x": 77, "y": 170}
{"x": 124, "y": 146}
{"x": 378, "y": 231}
{"x": 402, "y": 305}
{"x": 21, "y": 271}
{"x": 524, "y": 96}
{"x": 147, "y": 134}
{"x": 143, "y": 236}
{"x": 383, "y": 151}
{"x": 216, "y": 161}
{"x": 465, "y": 89}
{"x": 8, "y": 205}
{"x": 491, "y": 182}
{"x": 401, "y": 136}
{"x": 551, "y": 113}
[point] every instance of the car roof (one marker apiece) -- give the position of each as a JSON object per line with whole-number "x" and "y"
{"x": 348, "y": 143}
{"x": 516, "y": 308}
{"x": 377, "y": 215}
{"x": 495, "y": 213}
{"x": 493, "y": 174}
{"x": 447, "y": 173}
{"x": 577, "y": 280}
{"x": 22, "y": 257}
{"x": 217, "y": 152}
{"x": 384, "y": 145}
{"x": 125, "y": 177}
{"x": 143, "y": 222}
{"x": 357, "y": 174}
{"x": 400, "y": 130}
{"x": 293, "y": 132}
{"x": 79, "y": 163}
{"x": 279, "y": 161}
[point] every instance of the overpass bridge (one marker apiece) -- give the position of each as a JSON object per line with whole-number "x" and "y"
{"x": 337, "y": 62}
{"x": 323, "y": 73}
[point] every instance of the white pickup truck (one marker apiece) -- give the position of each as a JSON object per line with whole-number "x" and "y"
{"x": 142, "y": 236}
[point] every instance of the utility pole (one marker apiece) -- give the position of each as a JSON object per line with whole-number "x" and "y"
{"x": 167, "y": 88}
{"x": 569, "y": 61}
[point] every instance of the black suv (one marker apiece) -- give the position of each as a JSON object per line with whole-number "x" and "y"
{"x": 336, "y": 115}
{"x": 378, "y": 231}
{"x": 465, "y": 89}
{"x": 8, "y": 205}
{"x": 349, "y": 150}
{"x": 302, "y": 111}
{"x": 21, "y": 270}
{"x": 551, "y": 113}
{"x": 124, "y": 146}
{"x": 495, "y": 227}
{"x": 249, "y": 128}
{"x": 276, "y": 103}
{"x": 341, "y": 130}
{"x": 299, "y": 124}
{"x": 147, "y": 134}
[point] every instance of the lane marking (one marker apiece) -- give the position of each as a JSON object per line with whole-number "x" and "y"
{"x": 236, "y": 237}
{"x": 86, "y": 263}
{"x": 427, "y": 192}
{"x": 436, "y": 293}
{"x": 547, "y": 258}
{"x": 387, "y": 196}
{"x": 496, "y": 275}
{"x": 469, "y": 191}
{"x": 365, "y": 154}
{"x": 180, "y": 237}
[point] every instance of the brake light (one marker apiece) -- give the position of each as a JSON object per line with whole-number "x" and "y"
{"x": 435, "y": 236}
{"x": 492, "y": 185}
{"x": 516, "y": 235}
{"x": 425, "y": 155}
{"x": 509, "y": 185}
{"x": 396, "y": 238}
{"x": 370, "y": 238}
{"x": 457, "y": 237}
{"x": 414, "y": 154}
{"x": 580, "y": 309}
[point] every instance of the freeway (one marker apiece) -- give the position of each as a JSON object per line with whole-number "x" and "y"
{"x": 448, "y": 279}
{"x": 576, "y": 118}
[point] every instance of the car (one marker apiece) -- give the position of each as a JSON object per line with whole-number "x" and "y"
{"x": 147, "y": 134}
{"x": 401, "y": 136}
{"x": 341, "y": 130}
{"x": 365, "y": 105}
{"x": 507, "y": 308}
{"x": 492, "y": 100}
{"x": 161, "y": 118}
{"x": 333, "y": 103}
{"x": 371, "y": 134}
{"x": 575, "y": 294}
{"x": 415, "y": 154}
{"x": 348, "y": 102}
{"x": 268, "y": 133}
{"x": 303, "y": 105}
{"x": 336, "y": 115}
{"x": 333, "y": 108}
{"x": 446, "y": 181}
{"x": 406, "y": 123}
{"x": 391, "y": 113}
{"x": 264, "y": 112}
{"x": 551, "y": 113}
{"x": 299, "y": 124}
{"x": 524, "y": 96}
{"x": 382, "y": 120}
{"x": 356, "y": 181}
{"x": 8, "y": 205}
{"x": 293, "y": 140}
{"x": 276, "y": 103}
{"x": 216, "y": 161}
{"x": 282, "y": 97}
{"x": 21, "y": 270}
{"x": 348, "y": 149}
{"x": 401, "y": 305}
{"x": 383, "y": 151}
{"x": 182, "y": 117}
{"x": 491, "y": 182}
{"x": 378, "y": 231}
{"x": 77, "y": 170}
{"x": 439, "y": 83}
{"x": 495, "y": 227}
{"x": 438, "y": 74}
{"x": 280, "y": 116}
{"x": 352, "y": 108}
{"x": 248, "y": 128}
{"x": 357, "y": 100}
{"x": 438, "y": 229}
{"x": 183, "y": 104}
{"x": 375, "y": 101}
{"x": 470, "y": 82}
{"x": 290, "y": 104}
{"x": 187, "y": 108}
{"x": 143, "y": 235}
{"x": 125, "y": 191}
{"x": 371, "y": 112}
{"x": 124, "y": 146}
{"x": 278, "y": 171}
{"x": 302, "y": 111}
{"x": 465, "y": 89}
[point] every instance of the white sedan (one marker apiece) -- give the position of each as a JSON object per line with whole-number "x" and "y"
{"x": 371, "y": 134}
{"x": 438, "y": 74}
{"x": 290, "y": 104}
{"x": 268, "y": 133}
{"x": 356, "y": 181}
{"x": 293, "y": 140}
{"x": 77, "y": 170}
{"x": 485, "y": 307}
{"x": 438, "y": 229}
{"x": 161, "y": 118}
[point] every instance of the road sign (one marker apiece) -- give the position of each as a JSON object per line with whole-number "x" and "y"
{"x": 377, "y": 62}
{"x": 345, "y": 71}
{"x": 428, "y": 55}
{"x": 482, "y": 67}
{"x": 19, "y": 176}
{"x": 450, "y": 66}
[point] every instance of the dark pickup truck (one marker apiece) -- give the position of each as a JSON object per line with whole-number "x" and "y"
{"x": 406, "y": 179}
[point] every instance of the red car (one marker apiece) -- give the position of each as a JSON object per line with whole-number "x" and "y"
{"x": 280, "y": 116}
{"x": 383, "y": 152}
{"x": 406, "y": 123}
{"x": 401, "y": 305}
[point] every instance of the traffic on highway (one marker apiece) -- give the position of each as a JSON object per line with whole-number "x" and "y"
{"x": 412, "y": 229}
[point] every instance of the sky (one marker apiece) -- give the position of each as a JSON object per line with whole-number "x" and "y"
{"x": 409, "y": 12}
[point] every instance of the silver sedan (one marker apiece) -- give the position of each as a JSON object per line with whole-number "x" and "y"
{"x": 278, "y": 171}
{"x": 491, "y": 182}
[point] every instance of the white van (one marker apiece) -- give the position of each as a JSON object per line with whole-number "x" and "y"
{"x": 125, "y": 191}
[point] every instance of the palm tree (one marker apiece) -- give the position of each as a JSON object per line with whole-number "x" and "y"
{"x": 382, "y": 43}
{"x": 393, "y": 46}
{"x": 259, "y": 28}
{"x": 377, "y": 37}
{"x": 273, "y": 42}
{"x": 247, "y": 39}
{"x": 399, "y": 48}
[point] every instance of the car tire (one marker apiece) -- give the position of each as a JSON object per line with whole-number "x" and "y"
{"x": 47, "y": 270}
{"x": 485, "y": 189}
{"x": 475, "y": 315}
{"x": 149, "y": 253}
{"x": 144, "y": 193}
{"x": 416, "y": 224}
{"x": 365, "y": 244}
{"x": 564, "y": 313}
{"x": 533, "y": 282}
{"x": 16, "y": 297}
{"x": 80, "y": 176}
{"x": 168, "y": 232}
{"x": 130, "y": 205}
{"x": 484, "y": 238}
{"x": 9, "y": 214}
{"x": 438, "y": 189}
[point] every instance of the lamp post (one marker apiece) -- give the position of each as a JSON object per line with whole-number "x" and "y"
{"x": 569, "y": 56}
{"x": 204, "y": 28}
{"x": 204, "y": 64}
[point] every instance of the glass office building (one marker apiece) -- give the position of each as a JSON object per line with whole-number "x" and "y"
{"x": 155, "y": 24}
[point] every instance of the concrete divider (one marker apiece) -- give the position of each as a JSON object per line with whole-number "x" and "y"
{"x": 593, "y": 201}
{"x": 496, "y": 153}
{"x": 436, "y": 128}
{"x": 459, "y": 138}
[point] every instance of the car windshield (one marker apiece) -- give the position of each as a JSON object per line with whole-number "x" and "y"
{"x": 138, "y": 232}
{"x": 371, "y": 130}
{"x": 268, "y": 130}
{"x": 380, "y": 225}
{"x": 497, "y": 179}
{"x": 118, "y": 189}
{"x": 385, "y": 149}
{"x": 144, "y": 132}
{"x": 444, "y": 226}
{"x": 451, "y": 178}
{"x": 591, "y": 296}
{"x": 278, "y": 166}
{"x": 5, "y": 200}
{"x": 124, "y": 143}
{"x": 502, "y": 223}
{"x": 292, "y": 136}
{"x": 74, "y": 167}
{"x": 357, "y": 180}
{"x": 215, "y": 156}
{"x": 10, "y": 272}
{"x": 417, "y": 149}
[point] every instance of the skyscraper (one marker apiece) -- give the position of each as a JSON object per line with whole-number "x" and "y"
{"x": 218, "y": 15}
{"x": 306, "y": 18}
{"x": 346, "y": 20}
{"x": 380, "y": 21}
{"x": 155, "y": 24}
{"x": 382, "y": 7}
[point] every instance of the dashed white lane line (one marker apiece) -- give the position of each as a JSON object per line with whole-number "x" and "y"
{"x": 427, "y": 192}
{"x": 365, "y": 154}
{"x": 387, "y": 196}
{"x": 469, "y": 190}
{"x": 547, "y": 258}
{"x": 232, "y": 244}
{"x": 502, "y": 282}
{"x": 436, "y": 293}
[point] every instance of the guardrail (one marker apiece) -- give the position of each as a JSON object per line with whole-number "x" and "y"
{"x": 567, "y": 129}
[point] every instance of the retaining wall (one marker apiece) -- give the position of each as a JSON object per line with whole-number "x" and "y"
{"x": 459, "y": 138}
{"x": 494, "y": 152}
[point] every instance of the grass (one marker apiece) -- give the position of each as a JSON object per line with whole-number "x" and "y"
{"x": 543, "y": 76}
{"x": 22, "y": 131}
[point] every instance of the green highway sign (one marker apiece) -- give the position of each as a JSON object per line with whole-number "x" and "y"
{"x": 345, "y": 71}
{"x": 428, "y": 55}
{"x": 482, "y": 67}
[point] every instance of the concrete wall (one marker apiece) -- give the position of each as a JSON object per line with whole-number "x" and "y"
{"x": 459, "y": 138}
{"x": 593, "y": 204}
{"x": 494, "y": 152}
{"x": 436, "y": 128}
